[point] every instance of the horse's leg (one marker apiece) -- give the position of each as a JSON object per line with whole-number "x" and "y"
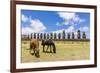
{"x": 50, "y": 49}
{"x": 47, "y": 48}
{"x": 34, "y": 50}
{"x": 30, "y": 50}
{"x": 43, "y": 48}
{"x": 37, "y": 54}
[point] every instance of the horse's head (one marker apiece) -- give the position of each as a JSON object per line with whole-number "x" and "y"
{"x": 54, "y": 48}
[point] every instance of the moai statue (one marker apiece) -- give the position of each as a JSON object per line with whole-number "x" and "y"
{"x": 51, "y": 35}
{"x": 68, "y": 35}
{"x": 63, "y": 34}
{"x": 28, "y": 36}
{"x": 84, "y": 35}
{"x": 37, "y": 35}
{"x": 41, "y": 36}
{"x": 47, "y": 35}
{"x": 59, "y": 36}
{"x": 73, "y": 36}
{"x": 34, "y": 35}
{"x": 55, "y": 36}
{"x": 78, "y": 34}
{"x": 31, "y": 35}
{"x": 44, "y": 35}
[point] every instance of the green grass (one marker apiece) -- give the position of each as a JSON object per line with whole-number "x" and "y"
{"x": 66, "y": 51}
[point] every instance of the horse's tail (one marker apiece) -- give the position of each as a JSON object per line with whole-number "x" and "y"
{"x": 54, "y": 48}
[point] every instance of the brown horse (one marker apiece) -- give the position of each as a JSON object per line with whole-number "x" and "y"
{"x": 34, "y": 46}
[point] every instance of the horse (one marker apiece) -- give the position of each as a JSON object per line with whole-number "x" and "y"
{"x": 48, "y": 43}
{"x": 34, "y": 46}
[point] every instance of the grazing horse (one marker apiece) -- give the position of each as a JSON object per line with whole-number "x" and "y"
{"x": 48, "y": 43}
{"x": 34, "y": 46}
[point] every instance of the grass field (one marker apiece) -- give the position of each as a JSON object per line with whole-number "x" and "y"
{"x": 67, "y": 50}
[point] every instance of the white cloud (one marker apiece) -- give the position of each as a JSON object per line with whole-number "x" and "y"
{"x": 85, "y": 29}
{"x": 26, "y": 30}
{"x": 70, "y": 18}
{"x": 24, "y": 18}
{"x": 58, "y": 31}
{"x": 58, "y": 24}
{"x": 35, "y": 26}
{"x": 69, "y": 29}
{"x": 66, "y": 15}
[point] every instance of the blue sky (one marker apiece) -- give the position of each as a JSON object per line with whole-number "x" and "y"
{"x": 54, "y": 21}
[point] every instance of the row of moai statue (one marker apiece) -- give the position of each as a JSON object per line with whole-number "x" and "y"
{"x": 62, "y": 35}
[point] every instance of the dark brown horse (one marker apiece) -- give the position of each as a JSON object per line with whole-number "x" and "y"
{"x": 50, "y": 44}
{"x": 34, "y": 46}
